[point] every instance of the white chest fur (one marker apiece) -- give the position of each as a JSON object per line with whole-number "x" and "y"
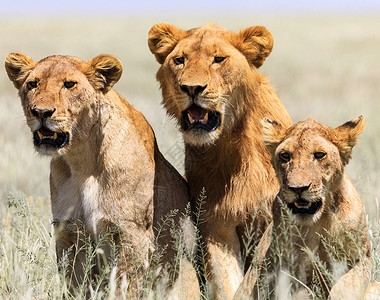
{"x": 91, "y": 198}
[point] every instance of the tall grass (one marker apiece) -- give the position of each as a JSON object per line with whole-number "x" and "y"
{"x": 292, "y": 251}
{"x": 324, "y": 67}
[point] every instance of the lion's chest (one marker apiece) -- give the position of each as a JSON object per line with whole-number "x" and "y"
{"x": 66, "y": 204}
{"x": 90, "y": 198}
{"x": 79, "y": 198}
{"x": 302, "y": 252}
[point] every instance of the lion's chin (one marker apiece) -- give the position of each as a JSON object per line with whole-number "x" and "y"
{"x": 47, "y": 142}
{"x": 200, "y": 138}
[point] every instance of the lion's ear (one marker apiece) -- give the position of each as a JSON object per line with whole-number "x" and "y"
{"x": 162, "y": 38}
{"x": 255, "y": 43}
{"x": 18, "y": 66}
{"x": 346, "y": 136}
{"x": 104, "y": 71}
{"x": 273, "y": 133}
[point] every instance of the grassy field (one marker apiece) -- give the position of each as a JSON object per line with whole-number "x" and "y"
{"x": 322, "y": 67}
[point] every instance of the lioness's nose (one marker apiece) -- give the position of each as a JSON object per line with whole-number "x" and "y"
{"x": 193, "y": 90}
{"x": 299, "y": 189}
{"x": 42, "y": 113}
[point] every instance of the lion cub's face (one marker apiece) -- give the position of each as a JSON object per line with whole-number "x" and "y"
{"x": 60, "y": 96}
{"x": 204, "y": 75}
{"x": 309, "y": 160}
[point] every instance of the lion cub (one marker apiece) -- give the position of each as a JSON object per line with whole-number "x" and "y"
{"x": 109, "y": 183}
{"x": 319, "y": 245}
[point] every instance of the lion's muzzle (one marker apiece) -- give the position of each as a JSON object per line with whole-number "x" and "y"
{"x": 45, "y": 136}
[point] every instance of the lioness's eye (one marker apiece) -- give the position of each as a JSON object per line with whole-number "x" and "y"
{"x": 319, "y": 155}
{"x": 218, "y": 59}
{"x": 31, "y": 85}
{"x": 179, "y": 60}
{"x": 69, "y": 84}
{"x": 285, "y": 156}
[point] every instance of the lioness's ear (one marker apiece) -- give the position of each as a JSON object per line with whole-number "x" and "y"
{"x": 162, "y": 38}
{"x": 346, "y": 137}
{"x": 273, "y": 134}
{"x": 18, "y": 66}
{"x": 104, "y": 71}
{"x": 255, "y": 43}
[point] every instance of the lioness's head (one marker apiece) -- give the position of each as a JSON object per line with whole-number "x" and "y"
{"x": 60, "y": 96}
{"x": 205, "y": 75}
{"x": 309, "y": 160}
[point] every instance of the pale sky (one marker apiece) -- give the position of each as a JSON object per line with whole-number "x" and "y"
{"x": 14, "y": 8}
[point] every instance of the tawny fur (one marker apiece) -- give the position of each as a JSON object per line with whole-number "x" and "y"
{"x": 336, "y": 235}
{"x": 110, "y": 178}
{"x": 231, "y": 162}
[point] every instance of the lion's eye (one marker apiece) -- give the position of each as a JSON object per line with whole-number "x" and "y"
{"x": 69, "y": 84}
{"x": 319, "y": 155}
{"x": 31, "y": 85}
{"x": 179, "y": 60}
{"x": 285, "y": 156}
{"x": 218, "y": 59}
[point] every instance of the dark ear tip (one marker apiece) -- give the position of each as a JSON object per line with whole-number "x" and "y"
{"x": 270, "y": 121}
{"x": 355, "y": 122}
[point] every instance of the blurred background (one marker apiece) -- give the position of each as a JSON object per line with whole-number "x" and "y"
{"x": 325, "y": 64}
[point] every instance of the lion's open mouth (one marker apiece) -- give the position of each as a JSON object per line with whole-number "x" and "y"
{"x": 46, "y": 136}
{"x": 302, "y": 206}
{"x": 198, "y": 117}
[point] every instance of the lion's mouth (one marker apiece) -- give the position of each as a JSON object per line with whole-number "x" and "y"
{"x": 198, "y": 117}
{"x": 48, "y": 137}
{"x": 302, "y": 206}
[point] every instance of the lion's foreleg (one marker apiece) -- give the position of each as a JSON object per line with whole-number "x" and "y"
{"x": 71, "y": 254}
{"x": 224, "y": 265}
{"x": 246, "y": 288}
{"x": 353, "y": 284}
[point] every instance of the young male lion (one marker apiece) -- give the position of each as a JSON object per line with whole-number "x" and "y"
{"x": 210, "y": 83}
{"x": 319, "y": 241}
{"x": 108, "y": 180}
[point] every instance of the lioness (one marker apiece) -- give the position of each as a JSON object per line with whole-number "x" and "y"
{"x": 319, "y": 224}
{"x": 107, "y": 177}
{"x": 210, "y": 83}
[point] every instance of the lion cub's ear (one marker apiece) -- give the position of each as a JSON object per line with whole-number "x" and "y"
{"x": 162, "y": 38}
{"x": 346, "y": 135}
{"x": 255, "y": 43}
{"x": 273, "y": 133}
{"x": 18, "y": 66}
{"x": 104, "y": 71}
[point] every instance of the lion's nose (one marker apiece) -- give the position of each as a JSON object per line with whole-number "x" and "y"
{"x": 193, "y": 90}
{"x": 299, "y": 189}
{"x": 42, "y": 113}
